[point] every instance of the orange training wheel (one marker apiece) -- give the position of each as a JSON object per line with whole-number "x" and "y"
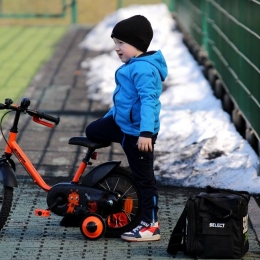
{"x": 93, "y": 226}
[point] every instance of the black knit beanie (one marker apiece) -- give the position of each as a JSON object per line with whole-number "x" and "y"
{"x": 136, "y": 31}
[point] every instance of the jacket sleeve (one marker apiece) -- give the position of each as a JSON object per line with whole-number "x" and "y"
{"x": 145, "y": 81}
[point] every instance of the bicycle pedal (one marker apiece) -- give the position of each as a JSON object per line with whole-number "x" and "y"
{"x": 42, "y": 212}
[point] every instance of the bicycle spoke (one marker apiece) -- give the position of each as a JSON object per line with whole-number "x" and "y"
{"x": 133, "y": 193}
{"x": 102, "y": 186}
{"x": 116, "y": 184}
{"x": 107, "y": 185}
{"x": 127, "y": 191}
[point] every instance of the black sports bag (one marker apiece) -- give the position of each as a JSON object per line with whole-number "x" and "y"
{"x": 213, "y": 224}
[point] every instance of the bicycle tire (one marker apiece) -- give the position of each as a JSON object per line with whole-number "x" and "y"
{"x": 120, "y": 180}
{"x": 6, "y": 198}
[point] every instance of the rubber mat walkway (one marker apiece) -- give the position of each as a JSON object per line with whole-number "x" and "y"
{"x": 59, "y": 89}
{"x": 29, "y": 237}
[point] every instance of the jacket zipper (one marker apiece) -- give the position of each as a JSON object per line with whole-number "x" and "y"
{"x": 114, "y": 99}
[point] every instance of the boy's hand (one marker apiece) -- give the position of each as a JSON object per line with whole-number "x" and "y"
{"x": 144, "y": 144}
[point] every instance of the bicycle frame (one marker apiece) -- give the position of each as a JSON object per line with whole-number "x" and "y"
{"x": 106, "y": 196}
{"x": 13, "y": 147}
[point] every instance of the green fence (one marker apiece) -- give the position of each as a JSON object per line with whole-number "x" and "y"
{"x": 122, "y": 3}
{"x": 38, "y": 9}
{"x": 229, "y": 31}
{"x": 63, "y": 11}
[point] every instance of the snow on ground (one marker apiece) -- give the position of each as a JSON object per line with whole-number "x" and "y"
{"x": 197, "y": 144}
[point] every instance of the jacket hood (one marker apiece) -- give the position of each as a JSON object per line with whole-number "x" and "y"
{"x": 156, "y": 59}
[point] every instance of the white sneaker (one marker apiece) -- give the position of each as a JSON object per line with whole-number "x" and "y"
{"x": 143, "y": 232}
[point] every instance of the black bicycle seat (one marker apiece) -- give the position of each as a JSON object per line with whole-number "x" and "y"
{"x": 84, "y": 141}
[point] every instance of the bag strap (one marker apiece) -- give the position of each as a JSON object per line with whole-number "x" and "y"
{"x": 177, "y": 240}
{"x": 227, "y": 212}
{"x": 243, "y": 194}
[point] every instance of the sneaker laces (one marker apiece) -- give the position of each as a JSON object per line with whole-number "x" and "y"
{"x": 140, "y": 226}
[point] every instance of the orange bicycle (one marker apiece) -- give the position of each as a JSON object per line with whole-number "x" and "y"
{"x": 105, "y": 201}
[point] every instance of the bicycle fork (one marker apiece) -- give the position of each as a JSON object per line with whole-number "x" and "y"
{"x": 7, "y": 174}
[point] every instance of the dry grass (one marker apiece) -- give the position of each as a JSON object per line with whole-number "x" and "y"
{"x": 89, "y": 12}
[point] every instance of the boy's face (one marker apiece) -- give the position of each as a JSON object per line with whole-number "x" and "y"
{"x": 125, "y": 51}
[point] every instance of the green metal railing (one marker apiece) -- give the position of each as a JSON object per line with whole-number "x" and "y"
{"x": 170, "y": 3}
{"x": 29, "y": 9}
{"x": 229, "y": 31}
{"x": 35, "y": 9}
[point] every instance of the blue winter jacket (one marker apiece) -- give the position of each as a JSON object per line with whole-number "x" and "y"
{"x": 136, "y": 97}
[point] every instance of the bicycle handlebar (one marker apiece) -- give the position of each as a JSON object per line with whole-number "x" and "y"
{"x": 34, "y": 113}
{"x": 43, "y": 115}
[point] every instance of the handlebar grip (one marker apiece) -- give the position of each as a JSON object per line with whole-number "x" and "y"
{"x": 53, "y": 119}
{"x": 41, "y": 114}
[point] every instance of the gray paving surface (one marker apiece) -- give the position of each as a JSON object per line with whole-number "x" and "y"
{"x": 59, "y": 88}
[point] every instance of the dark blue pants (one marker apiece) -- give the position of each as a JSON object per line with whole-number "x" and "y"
{"x": 141, "y": 163}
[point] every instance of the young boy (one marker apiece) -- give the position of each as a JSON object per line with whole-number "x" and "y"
{"x": 133, "y": 121}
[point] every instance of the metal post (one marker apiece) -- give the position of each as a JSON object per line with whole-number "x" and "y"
{"x": 74, "y": 11}
{"x": 172, "y": 5}
{"x": 119, "y": 4}
{"x": 204, "y": 9}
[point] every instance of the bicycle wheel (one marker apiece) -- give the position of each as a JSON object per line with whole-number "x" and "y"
{"x": 6, "y": 197}
{"x": 120, "y": 180}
